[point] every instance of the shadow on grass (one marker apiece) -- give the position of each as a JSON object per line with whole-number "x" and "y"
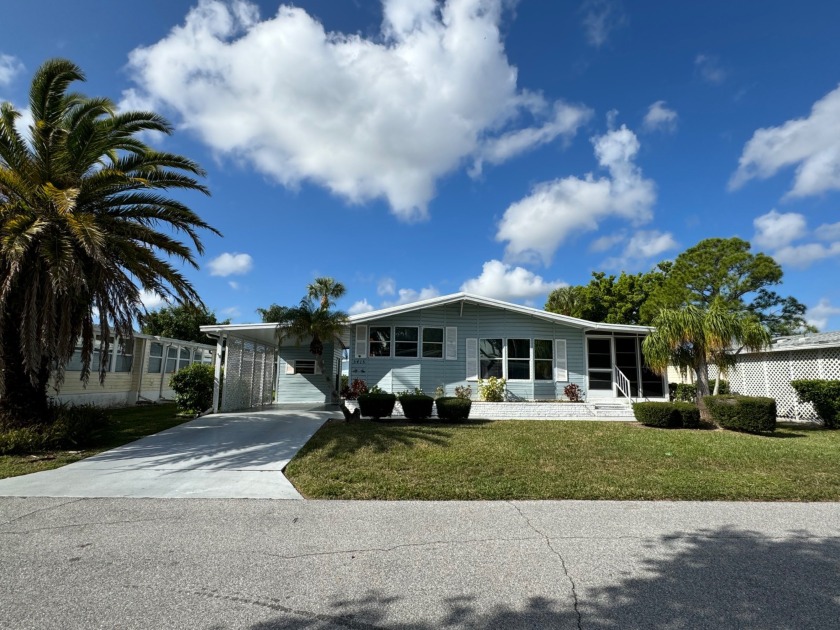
{"x": 724, "y": 578}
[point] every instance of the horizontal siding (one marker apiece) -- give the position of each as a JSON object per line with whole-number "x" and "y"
{"x": 304, "y": 388}
{"x": 473, "y": 321}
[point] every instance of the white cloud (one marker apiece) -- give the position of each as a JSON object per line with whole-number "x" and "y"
{"x": 568, "y": 206}
{"x": 600, "y": 19}
{"x": 380, "y": 116}
{"x": 818, "y": 315}
{"x": 230, "y": 264}
{"x": 152, "y": 300}
{"x": 709, "y": 68}
{"x": 642, "y": 246}
{"x": 828, "y": 232}
{"x": 811, "y": 144}
{"x": 802, "y": 256}
{"x": 10, "y": 67}
{"x": 660, "y": 118}
{"x": 774, "y": 230}
{"x": 361, "y": 306}
{"x": 606, "y": 242}
{"x": 406, "y": 296}
{"x": 233, "y": 285}
{"x": 386, "y": 286}
{"x": 505, "y": 282}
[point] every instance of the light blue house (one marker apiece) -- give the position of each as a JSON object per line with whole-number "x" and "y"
{"x": 445, "y": 342}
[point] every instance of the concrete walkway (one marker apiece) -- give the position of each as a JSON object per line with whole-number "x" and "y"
{"x": 230, "y": 456}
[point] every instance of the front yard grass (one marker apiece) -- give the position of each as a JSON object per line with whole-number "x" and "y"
{"x": 522, "y": 459}
{"x": 127, "y": 425}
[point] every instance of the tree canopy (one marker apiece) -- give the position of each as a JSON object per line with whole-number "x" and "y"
{"x": 85, "y": 225}
{"x": 611, "y": 299}
{"x": 179, "y": 322}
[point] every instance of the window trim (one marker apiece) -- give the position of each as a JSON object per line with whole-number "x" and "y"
{"x": 394, "y": 343}
{"x": 307, "y": 362}
{"x": 502, "y": 358}
{"x": 551, "y": 360}
{"x": 529, "y": 360}
{"x": 390, "y": 343}
{"x": 441, "y": 343}
{"x": 158, "y": 357}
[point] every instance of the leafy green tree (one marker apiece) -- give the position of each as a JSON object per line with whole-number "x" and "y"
{"x": 725, "y": 269}
{"x": 694, "y": 337}
{"x": 611, "y": 299}
{"x": 179, "y": 322}
{"x": 326, "y": 290}
{"x": 85, "y": 224}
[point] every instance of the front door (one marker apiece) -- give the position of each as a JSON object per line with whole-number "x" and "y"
{"x": 599, "y": 353}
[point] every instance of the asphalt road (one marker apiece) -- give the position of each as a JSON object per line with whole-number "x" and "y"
{"x": 260, "y": 564}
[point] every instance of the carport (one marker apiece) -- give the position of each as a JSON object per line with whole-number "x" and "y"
{"x": 249, "y": 353}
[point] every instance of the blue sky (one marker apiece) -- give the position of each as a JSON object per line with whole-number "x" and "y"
{"x": 411, "y": 148}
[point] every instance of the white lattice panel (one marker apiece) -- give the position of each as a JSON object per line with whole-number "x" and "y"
{"x": 751, "y": 368}
{"x": 804, "y": 364}
{"x": 249, "y": 374}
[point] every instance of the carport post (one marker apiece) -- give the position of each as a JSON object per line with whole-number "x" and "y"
{"x": 217, "y": 373}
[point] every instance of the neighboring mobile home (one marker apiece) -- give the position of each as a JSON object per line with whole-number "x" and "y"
{"x": 445, "y": 342}
{"x": 137, "y": 371}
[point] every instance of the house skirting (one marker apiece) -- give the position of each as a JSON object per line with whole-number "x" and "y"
{"x": 535, "y": 411}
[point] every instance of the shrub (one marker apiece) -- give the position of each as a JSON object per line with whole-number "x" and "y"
{"x": 689, "y": 415}
{"x": 440, "y": 391}
{"x": 687, "y": 392}
{"x": 824, "y": 395}
{"x": 464, "y": 392}
{"x": 377, "y": 404}
{"x": 67, "y": 426}
{"x": 743, "y": 413}
{"x": 492, "y": 390}
{"x": 416, "y": 406}
{"x": 453, "y": 409}
{"x": 193, "y": 387}
{"x": 573, "y": 393}
{"x": 656, "y": 414}
{"x": 354, "y": 390}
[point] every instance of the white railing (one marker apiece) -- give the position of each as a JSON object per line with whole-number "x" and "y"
{"x": 622, "y": 382}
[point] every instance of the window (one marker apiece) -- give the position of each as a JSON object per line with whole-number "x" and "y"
{"x": 543, "y": 359}
{"x": 124, "y": 356}
{"x": 519, "y": 359}
{"x": 75, "y": 362}
{"x": 186, "y": 357}
{"x": 171, "y": 360}
{"x": 380, "y": 341}
{"x": 305, "y": 366}
{"x": 405, "y": 341}
{"x": 490, "y": 358}
{"x": 155, "y": 357}
{"x": 433, "y": 343}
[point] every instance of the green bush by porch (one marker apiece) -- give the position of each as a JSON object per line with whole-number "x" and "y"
{"x": 754, "y": 414}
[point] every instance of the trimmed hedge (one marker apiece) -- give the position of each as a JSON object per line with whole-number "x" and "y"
{"x": 689, "y": 414}
{"x": 824, "y": 395}
{"x": 687, "y": 392}
{"x": 667, "y": 415}
{"x": 453, "y": 409}
{"x": 417, "y": 406}
{"x": 656, "y": 414}
{"x": 193, "y": 386}
{"x": 753, "y": 414}
{"x": 377, "y": 405}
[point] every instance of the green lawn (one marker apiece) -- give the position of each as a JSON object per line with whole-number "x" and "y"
{"x": 126, "y": 425}
{"x": 565, "y": 460}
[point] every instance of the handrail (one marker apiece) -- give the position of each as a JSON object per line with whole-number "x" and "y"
{"x": 622, "y": 382}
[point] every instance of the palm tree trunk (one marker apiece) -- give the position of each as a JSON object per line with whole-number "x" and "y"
{"x": 22, "y": 401}
{"x": 702, "y": 380}
{"x": 335, "y": 397}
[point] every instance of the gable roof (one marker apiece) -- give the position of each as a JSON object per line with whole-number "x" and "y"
{"x": 469, "y": 298}
{"x": 807, "y": 341}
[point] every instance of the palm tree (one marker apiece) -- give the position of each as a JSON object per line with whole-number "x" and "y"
{"x": 692, "y": 338}
{"x": 565, "y": 301}
{"x": 326, "y": 290}
{"x": 84, "y": 226}
{"x": 309, "y": 321}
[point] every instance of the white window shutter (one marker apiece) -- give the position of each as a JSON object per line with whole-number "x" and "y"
{"x": 561, "y": 372}
{"x": 451, "y": 343}
{"x": 472, "y": 359}
{"x": 318, "y": 368}
{"x": 361, "y": 342}
{"x": 290, "y": 367}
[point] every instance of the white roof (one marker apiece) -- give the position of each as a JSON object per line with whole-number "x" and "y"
{"x": 479, "y": 300}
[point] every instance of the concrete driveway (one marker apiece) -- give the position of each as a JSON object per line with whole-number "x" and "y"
{"x": 228, "y": 456}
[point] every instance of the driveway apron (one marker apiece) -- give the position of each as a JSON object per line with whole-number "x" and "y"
{"x": 230, "y": 456}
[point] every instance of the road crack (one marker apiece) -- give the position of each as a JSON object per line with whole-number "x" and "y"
{"x": 557, "y": 553}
